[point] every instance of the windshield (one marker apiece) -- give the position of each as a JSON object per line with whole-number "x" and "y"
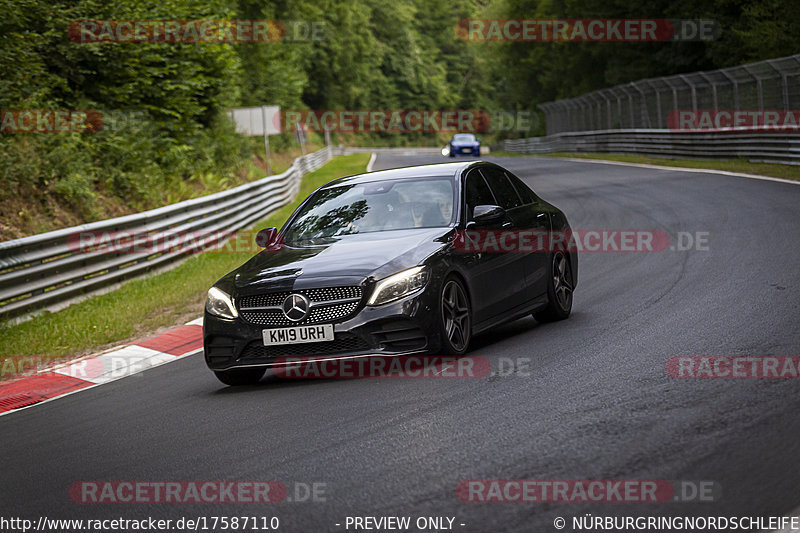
{"x": 374, "y": 206}
{"x": 464, "y": 138}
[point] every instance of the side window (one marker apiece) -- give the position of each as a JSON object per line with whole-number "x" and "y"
{"x": 525, "y": 192}
{"x": 477, "y": 193}
{"x": 507, "y": 197}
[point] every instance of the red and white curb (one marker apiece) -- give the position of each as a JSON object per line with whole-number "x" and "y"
{"x": 95, "y": 370}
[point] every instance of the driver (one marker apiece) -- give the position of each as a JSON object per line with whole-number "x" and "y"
{"x": 433, "y": 213}
{"x": 445, "y": 207}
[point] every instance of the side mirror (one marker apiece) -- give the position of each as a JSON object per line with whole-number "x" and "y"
{"x": 265, "y": 237}
{"x": 488, "y": 214}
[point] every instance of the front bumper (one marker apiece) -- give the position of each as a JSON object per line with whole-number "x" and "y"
{"x": 407, "y": 326}
{"x": 465, "y": 150}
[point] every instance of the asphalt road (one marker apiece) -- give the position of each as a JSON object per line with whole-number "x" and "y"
{"x": 597, "y": 403}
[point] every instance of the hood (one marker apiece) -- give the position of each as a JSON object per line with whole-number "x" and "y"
{"x": 376, "y": 255}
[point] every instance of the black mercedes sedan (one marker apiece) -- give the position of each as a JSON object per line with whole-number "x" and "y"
{"x": 394, "y": 262}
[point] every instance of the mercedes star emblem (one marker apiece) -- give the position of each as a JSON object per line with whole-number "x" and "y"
{"x": 296, "y": 307}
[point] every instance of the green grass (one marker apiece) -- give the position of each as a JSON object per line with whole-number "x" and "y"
{"x": 145, "y": 306}
{"x": 775, "y": 170}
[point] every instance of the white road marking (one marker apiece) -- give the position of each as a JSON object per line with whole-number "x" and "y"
{"x": 678, "y": 169}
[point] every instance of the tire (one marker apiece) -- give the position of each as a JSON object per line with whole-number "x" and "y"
{"x": 559, "y": 290}
{"x": 455, "y": 317}
{"x": 240, "y": 376}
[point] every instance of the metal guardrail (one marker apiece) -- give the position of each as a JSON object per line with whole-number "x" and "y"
{"x": 773, "y": 84}
{"x": 755, "y": 146}
{"x": 635, "y": 118}
{"x": 48, "y": 270}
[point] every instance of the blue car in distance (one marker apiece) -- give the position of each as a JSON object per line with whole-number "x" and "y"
{"x": 464, "y": 144}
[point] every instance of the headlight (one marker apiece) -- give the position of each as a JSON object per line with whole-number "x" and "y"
{"x": 220, "y": 304}
{"x": 399, "y": 285}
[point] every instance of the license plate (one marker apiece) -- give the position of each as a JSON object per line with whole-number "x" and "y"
{"x": 298, "y": 334}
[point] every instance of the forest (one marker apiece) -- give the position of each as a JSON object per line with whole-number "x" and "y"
{"x": 164, "y": 101}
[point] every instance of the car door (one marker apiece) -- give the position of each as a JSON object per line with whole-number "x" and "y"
{"x": 495, "y": 276}
{"x": 509, "y": 199}
{"x": 536, "y": 222}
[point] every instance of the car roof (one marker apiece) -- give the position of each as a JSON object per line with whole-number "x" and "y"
{"x": 450, "y": 170}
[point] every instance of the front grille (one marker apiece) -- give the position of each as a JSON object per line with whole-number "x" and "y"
{"x": 343, "y": 343}
{"x": 329, "y": 304}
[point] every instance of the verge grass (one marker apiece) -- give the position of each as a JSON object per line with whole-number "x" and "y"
{"x": 148, "y": 305}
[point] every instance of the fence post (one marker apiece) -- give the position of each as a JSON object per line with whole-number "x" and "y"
{"x": 713, "y": 89}
{"x": 658, "y": 103}
{"x": 266, "y": 138}
{"x": 586, "y": 116}
{"x": 784, "y": 84}
{"x": 565, "y": 124}
{"x": 624, "y": 89}
{"x": 759, "y": 88}
{"x": 645, "y": 114}
{"x": 595, "y": 99}
{"x": 569, "y": 117}
{"x": 735, "y": 84}
{"x": 692, "y": 88}
{"x": 608, "y": 109}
